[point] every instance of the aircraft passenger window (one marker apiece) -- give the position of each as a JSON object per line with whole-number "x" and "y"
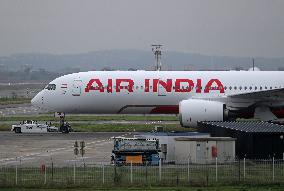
{"x": 250, "y": 88}
{"x": 265, "y": 87}
{"x": 141, "y": 87}
{"x": 246, "y": 88}
{"x": 241, "y": 88}
{"x": 260, "y": 87}
{"x": 235, "y": 87}
{"x": 225, "y": 87}
{"x": 270, "y": 87}
{"x": 255, "y": 88}
{"x": 137, "y": 87}
{"x": 230, "y": 87}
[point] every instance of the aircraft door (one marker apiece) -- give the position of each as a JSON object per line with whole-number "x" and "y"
{"x": 77, "y": 88}
{"x": 200, "y": 151}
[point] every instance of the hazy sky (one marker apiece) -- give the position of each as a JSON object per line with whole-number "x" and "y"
{"x": 213, "y": 27}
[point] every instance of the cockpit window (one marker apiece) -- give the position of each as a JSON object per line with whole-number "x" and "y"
{"x": 50, "y": 87}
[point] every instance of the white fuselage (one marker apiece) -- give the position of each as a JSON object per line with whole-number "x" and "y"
{"x": 114, "y": 92}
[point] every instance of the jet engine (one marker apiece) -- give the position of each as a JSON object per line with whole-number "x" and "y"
{"x": 193, "y": 110}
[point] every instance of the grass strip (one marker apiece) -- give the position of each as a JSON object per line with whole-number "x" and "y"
{"x": 114, "y": 127}
{"x": 10, "y": 101}
{"x": 92, "y": 118}
{"x": 124, "y": 127}
{"x": 151, "y": 188}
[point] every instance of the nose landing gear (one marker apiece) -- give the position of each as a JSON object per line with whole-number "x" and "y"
{"x": 64, "y": 126}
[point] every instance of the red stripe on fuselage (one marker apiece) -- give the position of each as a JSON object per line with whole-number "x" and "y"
{"x": 165, "y": 110}
{"x": 279, "y": 113}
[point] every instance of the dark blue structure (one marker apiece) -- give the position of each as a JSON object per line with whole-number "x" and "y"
{"x": 255, "y": 140}
{"x": 142, "y": 151}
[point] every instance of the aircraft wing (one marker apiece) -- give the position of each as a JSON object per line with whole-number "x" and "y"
{"x": 264, "y": 95}
{"x": 262, "y": 111}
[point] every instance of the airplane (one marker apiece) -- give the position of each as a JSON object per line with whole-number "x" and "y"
{"x": 194, "y": 95}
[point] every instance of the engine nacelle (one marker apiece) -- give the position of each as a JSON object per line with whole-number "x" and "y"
{"x": 193, "y": 110}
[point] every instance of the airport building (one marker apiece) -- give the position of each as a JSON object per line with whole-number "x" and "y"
{"x": 192, "y": 147}
{"x": 167, "y": 142}
{"x": 254, "y": 140}
{"x": 204, "y": 150}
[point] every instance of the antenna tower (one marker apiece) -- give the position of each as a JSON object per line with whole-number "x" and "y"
{"x": 157, "y": 50}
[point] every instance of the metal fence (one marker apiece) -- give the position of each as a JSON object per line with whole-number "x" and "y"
{"x": 82, "y": 174}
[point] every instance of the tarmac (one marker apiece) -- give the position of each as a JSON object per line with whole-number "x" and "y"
{"x": 19, "y": 109}
{"x": 56, "y": 148}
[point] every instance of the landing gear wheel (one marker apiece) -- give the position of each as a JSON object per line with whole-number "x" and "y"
{"x": 17, "y": 130}
{"x": 65, "y": 129}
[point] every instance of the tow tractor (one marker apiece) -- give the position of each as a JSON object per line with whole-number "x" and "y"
{"x": 30, "y": 126}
